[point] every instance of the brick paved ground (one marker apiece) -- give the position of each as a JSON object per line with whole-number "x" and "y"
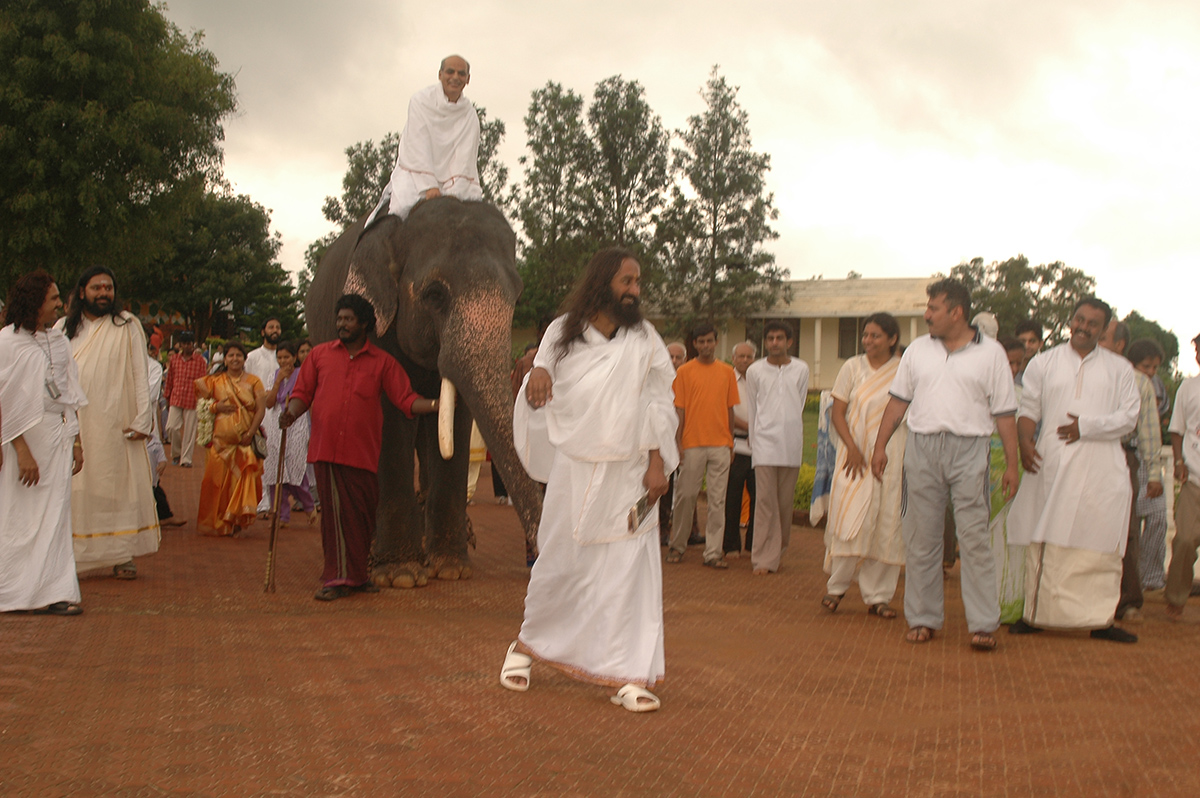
{"x": 191, "y": 681}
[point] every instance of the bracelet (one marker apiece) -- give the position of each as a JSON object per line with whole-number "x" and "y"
{"x": 78, "y": 445}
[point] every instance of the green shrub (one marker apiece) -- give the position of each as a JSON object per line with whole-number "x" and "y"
{"x": 802, "y": 498}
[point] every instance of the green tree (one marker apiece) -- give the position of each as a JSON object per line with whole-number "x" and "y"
{"x": 1015, "y": 291}
{"x": 711, "y": 262}
{"x": 550, "y": 203}
{"x": 627, "y": 165}
{"x": 110, "y": 128}
{"x": 223, "y": 275}
{"x": 493, "y": 174}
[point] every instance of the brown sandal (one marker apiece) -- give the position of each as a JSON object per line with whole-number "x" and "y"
{"x": 983, "y": 641}
{"x": 882, "y": 610}
{"x": 831, "y": 602}
{"x": 919, "y": 634}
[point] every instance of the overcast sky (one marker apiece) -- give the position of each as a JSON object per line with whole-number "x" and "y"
{"x": 904, "y": 137}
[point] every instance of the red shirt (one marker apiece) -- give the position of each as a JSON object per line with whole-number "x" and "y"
{"x": 343, "y": 394}
{"x": 179, "y": 387}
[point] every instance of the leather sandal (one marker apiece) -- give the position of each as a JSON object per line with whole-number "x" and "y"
{"x": 881, "y": 610}
{"x": 919, "y": 634}
{"x": 831, "y": 602}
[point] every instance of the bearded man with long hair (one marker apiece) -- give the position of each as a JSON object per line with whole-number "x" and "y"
{"x": 599, "y": 398}
{"x": 114, "y": 516}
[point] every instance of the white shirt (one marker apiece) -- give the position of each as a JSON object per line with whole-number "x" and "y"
{"x": 959, "y": 392}
{"x": 262, "y": 364}
{"x": 741, "y": 440}
{"x": 1185, "y": 421}
{"x": 775, "y": 398}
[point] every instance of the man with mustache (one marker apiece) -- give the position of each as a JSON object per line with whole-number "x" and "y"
{"x": 1073, "y": 506}
{"x": 262, "y": 363}
{"x": 113, "y": 512}
{"x": 601, "y": 383}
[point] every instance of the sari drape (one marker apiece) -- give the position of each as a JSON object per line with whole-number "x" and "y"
{"x": 232, "y": 485}
{"x": 864, "y": 513}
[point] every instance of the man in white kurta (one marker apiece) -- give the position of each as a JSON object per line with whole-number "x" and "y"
{"x": 776, "y": 388}
{"x": 38, "y": 429}
{"x": 439, "y": 147}
{"x": 113, "y": 514}
{"x": 262, "y": 363}
{"x": 1072, "y": 509}
{"x": 604, "y": 407}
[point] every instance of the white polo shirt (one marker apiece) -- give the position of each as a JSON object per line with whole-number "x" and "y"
{"x": 958, "y": 392}
{"x": 1185, "y": 422}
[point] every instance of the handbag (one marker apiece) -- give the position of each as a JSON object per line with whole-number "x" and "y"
{"x": 204, "y": 421}
{"x": 259, "y": 444}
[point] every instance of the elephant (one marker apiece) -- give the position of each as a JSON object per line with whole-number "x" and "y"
{"x": 443, "y": 284}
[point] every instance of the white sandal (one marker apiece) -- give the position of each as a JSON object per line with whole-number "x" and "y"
{"x": 629, "y": 695}
{"x": 516, "y": 666}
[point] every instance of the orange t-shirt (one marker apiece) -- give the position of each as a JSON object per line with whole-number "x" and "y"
{"x": 706, "y": 392}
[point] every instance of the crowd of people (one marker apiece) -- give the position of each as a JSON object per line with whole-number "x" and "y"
{"x": 1041, "y": 470}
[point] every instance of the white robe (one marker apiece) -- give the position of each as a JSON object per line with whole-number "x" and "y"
{"x": 1074, "y": 513}
{"x": 37, "y": 566}
{"x": 594, "y": 604}
{"x": 439, "y": 148}
{"x": 113, "y": 514}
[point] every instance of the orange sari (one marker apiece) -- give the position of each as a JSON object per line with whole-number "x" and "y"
{"x": 232, "y": 485}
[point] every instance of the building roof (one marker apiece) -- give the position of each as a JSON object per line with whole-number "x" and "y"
{"x": 900, "y": 296}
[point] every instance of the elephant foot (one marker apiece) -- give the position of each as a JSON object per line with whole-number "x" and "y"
{"x": 449, "y": 567}
{"x": 403, "y": 575}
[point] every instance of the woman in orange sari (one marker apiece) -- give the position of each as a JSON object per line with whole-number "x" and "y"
{"x": 232, "y": 485}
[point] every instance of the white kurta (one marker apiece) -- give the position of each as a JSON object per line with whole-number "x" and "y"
{"x": 1075, "y": 510}
{"x": 439, "y": 148}
{"x": 775, "y": 406}
{"x": 37, "y": 566}
{"x": 113, "y": 514}
{"x": 263, "y": 364}
{"x": 594, "y": 604}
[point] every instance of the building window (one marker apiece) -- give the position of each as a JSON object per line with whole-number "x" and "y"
{"x": 849, "y": 338}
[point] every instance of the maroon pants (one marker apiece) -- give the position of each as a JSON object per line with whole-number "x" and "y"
{"x": 349, "y": 496}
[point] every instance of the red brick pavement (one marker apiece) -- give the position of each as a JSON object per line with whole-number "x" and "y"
{"x": 192, "y": 682}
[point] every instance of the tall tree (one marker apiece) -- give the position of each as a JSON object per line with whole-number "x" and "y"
{"x": 223, "y": 275}
{"x": 550, "y": 204}
{"x": 1015, "y": 291}
{"x": 493, "y": 174}
{"x": 110, "y": 128}
{"x": 712, "y": 264}
{"x": 627, "y": 164}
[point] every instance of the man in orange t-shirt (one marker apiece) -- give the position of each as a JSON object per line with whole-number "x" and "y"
{"x": 705, "y": 395}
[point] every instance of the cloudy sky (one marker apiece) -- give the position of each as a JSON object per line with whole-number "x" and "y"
{"x": 904, "y": 137}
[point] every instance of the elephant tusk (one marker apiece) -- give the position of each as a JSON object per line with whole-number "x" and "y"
{"x": 446, "y": 419}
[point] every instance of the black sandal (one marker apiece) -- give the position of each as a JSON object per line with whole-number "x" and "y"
{"x": 831, "y": 602}
{"x": 332, "y": 592}
{"x": 983, "y": 641}
{"x": 60, "y": 608}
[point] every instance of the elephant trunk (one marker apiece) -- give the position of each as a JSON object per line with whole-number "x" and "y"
{"x": 476, "y": 356}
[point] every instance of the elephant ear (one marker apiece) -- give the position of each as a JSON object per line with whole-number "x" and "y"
{"x": 372, "y": 265}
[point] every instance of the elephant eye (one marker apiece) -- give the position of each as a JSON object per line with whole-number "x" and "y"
{"x": 436, "y": 295}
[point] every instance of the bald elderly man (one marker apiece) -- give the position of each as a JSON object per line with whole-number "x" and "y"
{"x": 439, "y": 148}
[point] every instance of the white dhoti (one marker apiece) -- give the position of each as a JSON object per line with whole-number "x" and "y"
{"x": 37, "y": 566}
{"x": 594, "y": 611}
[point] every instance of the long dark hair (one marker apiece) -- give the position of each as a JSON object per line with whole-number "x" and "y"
{"x": 25, "y": 300}
{"x": 591, "y": 294}
{"x": 75, "y": 308}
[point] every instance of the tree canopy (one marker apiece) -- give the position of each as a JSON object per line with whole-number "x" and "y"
{"x": 110, "y": 130}
{"x": 1016, "y": 291}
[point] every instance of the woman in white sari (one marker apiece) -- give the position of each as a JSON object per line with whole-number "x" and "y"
{"x": 864, "y": 513}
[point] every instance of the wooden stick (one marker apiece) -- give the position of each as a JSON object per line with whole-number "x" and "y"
{"x": 269, "y": 585}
